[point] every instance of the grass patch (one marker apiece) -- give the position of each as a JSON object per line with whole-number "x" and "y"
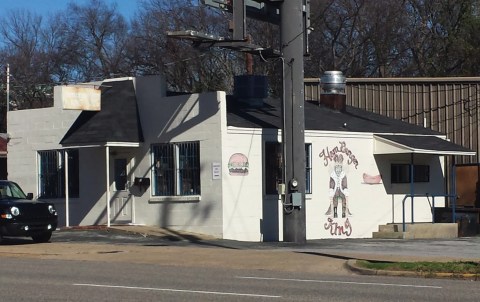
{"x": 460, "y": 267}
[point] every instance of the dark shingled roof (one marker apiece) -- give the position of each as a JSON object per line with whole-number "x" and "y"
{"x": 351, "y": 120}
{"x": 117, "y": 121}
{"x": 319, "y": 118}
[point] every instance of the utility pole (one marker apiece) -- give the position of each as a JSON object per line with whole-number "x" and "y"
{"x": 292, "y": 30}
{"x": 8, "y": 88}
{"x": 8, "y": 97}
{"x": 293, "y": 18}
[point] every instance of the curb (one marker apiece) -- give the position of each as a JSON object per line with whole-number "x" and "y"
{"x": 352, "y": 266}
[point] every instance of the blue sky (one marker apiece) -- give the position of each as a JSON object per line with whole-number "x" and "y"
{"x": 45, "y": 7}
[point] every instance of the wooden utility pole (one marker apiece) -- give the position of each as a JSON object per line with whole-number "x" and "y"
{"x": 293, "y": 18}
{"x": 292, "y": 30}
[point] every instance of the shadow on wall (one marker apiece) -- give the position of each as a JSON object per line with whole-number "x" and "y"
{"x": 199, "y": 213}
{"x": 164, "y": 120}
{"x": 174, "y": 116}
{"x": 435, "y": 185}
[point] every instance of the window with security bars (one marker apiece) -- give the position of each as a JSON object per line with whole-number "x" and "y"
{"x": 51, "y": 173}
{"x": 274, "y": 166}
{"x": 176, "y": 169}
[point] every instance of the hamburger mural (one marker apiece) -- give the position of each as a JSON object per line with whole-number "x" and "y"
{"x": 238, "y": 165}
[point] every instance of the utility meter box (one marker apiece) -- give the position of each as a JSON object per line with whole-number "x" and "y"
{"x": 296, "y": 199}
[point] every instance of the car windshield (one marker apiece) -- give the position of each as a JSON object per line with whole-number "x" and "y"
{"x": 11, "y": 190}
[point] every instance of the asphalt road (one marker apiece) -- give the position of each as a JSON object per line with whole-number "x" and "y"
{"x": 101, "y": 265}
{"x": 60, "y": 280}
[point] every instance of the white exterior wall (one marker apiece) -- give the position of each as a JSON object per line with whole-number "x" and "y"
{"x": 371, "y": 205}
{"x": 33, "y": 130}
{"x": 90, "y": 208}
{"x": 365, "y": 202}
{"x": 243, "y": 195}
{"x": 246, "y": 207}
{"x": 186, "y": 118}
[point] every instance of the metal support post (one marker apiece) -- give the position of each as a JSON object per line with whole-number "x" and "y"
{"x": 239, "y": 30}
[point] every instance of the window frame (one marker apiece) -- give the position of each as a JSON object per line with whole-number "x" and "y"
{"x": 273, "y": 167}
{"x": 275, "y": 163}
{"x": 401, "y": 173}
{"x": 55, "y": 166}
{"x": 308, "y": 168}
{"x": 181, "y": 162}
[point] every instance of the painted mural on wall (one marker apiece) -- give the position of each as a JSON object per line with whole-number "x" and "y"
{"x": 338, "y": 210}
{"x": 338, "y": 159}
{"x": 238, "y": 165}
{"x": 338, "y": 189}
{"x": 372, "y": 179}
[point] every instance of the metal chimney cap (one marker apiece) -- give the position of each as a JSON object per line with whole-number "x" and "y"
{"x": 333, "y": 82}
{"x": 333, "y": 72}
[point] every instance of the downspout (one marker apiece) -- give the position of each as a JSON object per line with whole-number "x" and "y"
{"x": 107, "y": 164}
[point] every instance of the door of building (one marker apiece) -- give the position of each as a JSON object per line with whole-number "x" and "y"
{"x": 121, "y": 201}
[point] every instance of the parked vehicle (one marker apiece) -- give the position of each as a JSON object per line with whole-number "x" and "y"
{"x": 20, "y": 215}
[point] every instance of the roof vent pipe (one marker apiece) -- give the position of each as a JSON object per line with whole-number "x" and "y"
{"x": 332, "y": 95}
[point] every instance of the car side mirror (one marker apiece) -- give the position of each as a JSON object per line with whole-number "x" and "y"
{"x": 29, "y": 196}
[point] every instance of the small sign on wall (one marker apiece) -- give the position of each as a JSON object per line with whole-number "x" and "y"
{"x": 81, "y": 98}
{"x": 238, "y": 165}
{"x": 216, "y": 171}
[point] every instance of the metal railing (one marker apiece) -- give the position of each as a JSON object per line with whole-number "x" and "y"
{"x": 432, "y": 206}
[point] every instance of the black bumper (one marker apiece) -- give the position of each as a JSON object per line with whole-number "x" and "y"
{"x": 18, "y": 228}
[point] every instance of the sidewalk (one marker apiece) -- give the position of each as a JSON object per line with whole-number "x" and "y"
{"x": 329, "y": 256}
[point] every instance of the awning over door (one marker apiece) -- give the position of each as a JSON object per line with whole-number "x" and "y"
{"x": 117, "y": 124}
{"x": 421, "y": 144}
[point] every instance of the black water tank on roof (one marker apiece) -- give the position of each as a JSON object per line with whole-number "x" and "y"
{"x": 251, "y": 89}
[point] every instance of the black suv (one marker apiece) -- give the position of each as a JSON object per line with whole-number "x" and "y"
{"x": 22, "y": 216}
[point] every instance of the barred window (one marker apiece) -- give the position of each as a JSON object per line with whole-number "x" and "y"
{"x": 51, "y": 177}
{"x": 274, "y": 167}
{"x": 176, "y": 169}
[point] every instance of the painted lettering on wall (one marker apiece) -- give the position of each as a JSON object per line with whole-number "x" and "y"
{"x": 329, "y": 155}
{"x": 337, "y": 229}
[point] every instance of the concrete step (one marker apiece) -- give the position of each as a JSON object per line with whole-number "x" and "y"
{"x": 417, "y": 230}
{"x": 389, "y": 228}
{"x": 388, "y": 235}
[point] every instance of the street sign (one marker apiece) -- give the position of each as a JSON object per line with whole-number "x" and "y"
{"x": 267, "y": 11}
{"x": 220, "y": 4}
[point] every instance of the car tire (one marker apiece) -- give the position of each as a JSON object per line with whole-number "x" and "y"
{"x": 42, "y": 237}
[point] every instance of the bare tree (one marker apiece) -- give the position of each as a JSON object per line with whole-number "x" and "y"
{"x": 186, "y": 67}
{"x": 22, "y": 48}
{"x": 382, "y": 25}
{"x": 97, "y": 36}
{"x": 443, "y": 37}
